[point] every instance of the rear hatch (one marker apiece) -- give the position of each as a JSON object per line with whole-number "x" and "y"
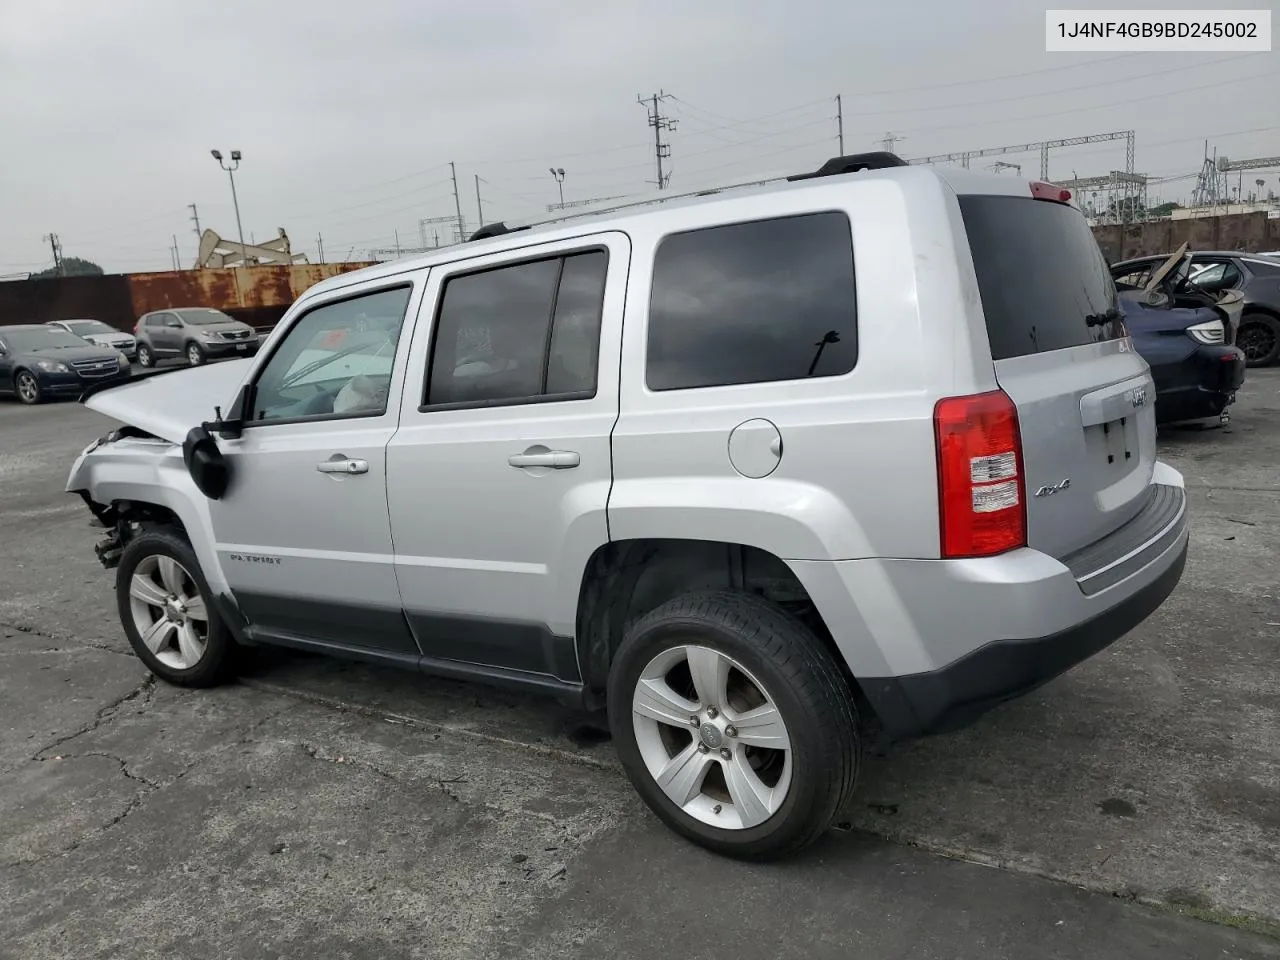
{"x": 1085, "y": 398}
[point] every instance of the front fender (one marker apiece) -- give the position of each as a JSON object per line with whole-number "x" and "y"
{"x": 151, "y": 471}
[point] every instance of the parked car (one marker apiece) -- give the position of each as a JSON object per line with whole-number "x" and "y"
{"x": 38, "y": 362}
{"x": 1184, "y": 332}
{"x": 760, "y": 522}
{"x": 95, "y": 331}
{"x": 1256, "y": 275}
{"x": 198, "y": 334}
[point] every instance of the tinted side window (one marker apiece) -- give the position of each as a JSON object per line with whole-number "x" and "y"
{"x": 495, "y": 340}
{"x": 1043, "y": 281}
{"x": 753, "y": 302}
{"x": 333, "y": 361}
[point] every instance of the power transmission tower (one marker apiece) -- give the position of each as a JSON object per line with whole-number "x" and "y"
{"x": 840, "y": 123}
{"x": 56, "y": 245}
{"x": 889, "y": 140}
{"x": 457, "y": 204}
{"x": 661, "y": 150}
{"x": 195, "y": 218}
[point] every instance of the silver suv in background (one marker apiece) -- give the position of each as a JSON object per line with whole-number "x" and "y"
{"x": 197, "y": 334}
{"x": 765, "y": 472}
{"x": 97, "y": 332}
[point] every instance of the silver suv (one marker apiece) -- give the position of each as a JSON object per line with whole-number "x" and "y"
{"x": 767, "y": 473}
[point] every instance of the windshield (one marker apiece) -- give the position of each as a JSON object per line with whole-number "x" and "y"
{"x": 205, "y": 317}
{"x": 83, "y": 327}
{"x": 1043, "y": 281}
{"x": 48, "y": 339}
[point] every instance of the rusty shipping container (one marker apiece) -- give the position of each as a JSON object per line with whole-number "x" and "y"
{"x": 256, "y": 295}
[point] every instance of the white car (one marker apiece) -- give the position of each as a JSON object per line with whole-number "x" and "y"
{"x": 104, "y": 335}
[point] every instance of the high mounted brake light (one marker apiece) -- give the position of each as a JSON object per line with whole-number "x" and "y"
{"x": 981, "y": 490}
{"x": 1049, "y": 191}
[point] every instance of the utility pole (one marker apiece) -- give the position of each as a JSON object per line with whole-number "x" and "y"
{"x": 56, "y": 245}
{"x": 659, "y": 123}
{"x": 457, "y": 204}
{"x": 840, "y": 123}
{"x": 397, "y": 232}
{"x": 479, "y": 208}
{"x": 177, "y": 256}
{"x": 320, "y": 245}
{"x": 195, "y": 217}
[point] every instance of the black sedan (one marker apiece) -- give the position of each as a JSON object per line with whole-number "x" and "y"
{"x": 1257, "y": 275}
{"x": 38, "y": 362}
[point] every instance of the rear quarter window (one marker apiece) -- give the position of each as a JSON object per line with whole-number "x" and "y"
{"x": 753, "y": 302}
{"x": 1040, "y": 273}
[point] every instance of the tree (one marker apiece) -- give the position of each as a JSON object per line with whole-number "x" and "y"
{"x": 71, "y": 267}
{"x": 1164, "y": 209}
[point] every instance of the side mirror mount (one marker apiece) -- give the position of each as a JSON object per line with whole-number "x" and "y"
{"x": 232, "y": 426}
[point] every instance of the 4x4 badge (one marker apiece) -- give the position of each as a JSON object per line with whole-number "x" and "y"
{"x": 1052, "y": 488}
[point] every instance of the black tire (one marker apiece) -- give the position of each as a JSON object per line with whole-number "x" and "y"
{"x": 1259, "y": 339}
{"x": 145, "y": 357}
{"x": 26, "y": 387}
{"x": 194, "y": 354}
{"x": 218, "y": 663}
{"x": 801, "y": 678}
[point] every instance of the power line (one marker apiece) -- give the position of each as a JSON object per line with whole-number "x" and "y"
{"x": 659, "y": 123}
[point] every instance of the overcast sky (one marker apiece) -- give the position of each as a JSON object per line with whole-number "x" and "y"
{"x": 349, "y": 113}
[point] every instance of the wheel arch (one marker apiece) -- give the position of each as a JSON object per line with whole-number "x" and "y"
{"x": 625, "y": 579}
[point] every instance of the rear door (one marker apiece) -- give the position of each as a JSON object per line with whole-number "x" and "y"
{"x": 1085, "y": 398}
{"x": 498, "y": 478}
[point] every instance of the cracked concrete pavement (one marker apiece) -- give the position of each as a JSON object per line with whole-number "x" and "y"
{"x": 334, "y": 809}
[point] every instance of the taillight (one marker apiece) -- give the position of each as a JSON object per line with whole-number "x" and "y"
{"x": 981, "y": 490}
{"x": 1049, "y": 191}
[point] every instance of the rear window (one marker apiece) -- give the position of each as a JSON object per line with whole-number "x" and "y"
{"x": 1040, "y": 274}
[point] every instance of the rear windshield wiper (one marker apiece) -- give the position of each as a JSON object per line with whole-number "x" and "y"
{"x": 1107, "y": 316}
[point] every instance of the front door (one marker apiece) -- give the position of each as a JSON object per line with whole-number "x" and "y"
{"x": 303, "y": 533}
{"x": 498, "y": 479}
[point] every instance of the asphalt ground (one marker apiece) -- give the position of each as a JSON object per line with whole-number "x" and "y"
{"x": 1130, "y": 808}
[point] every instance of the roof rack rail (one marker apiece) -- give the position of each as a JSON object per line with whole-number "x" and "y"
{"x": 876, "y": 160}
{"x": 852, "y": 163}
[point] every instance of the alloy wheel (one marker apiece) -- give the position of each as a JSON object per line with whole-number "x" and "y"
{"x": 711, "y": 737}
{"x": 28, "y": 389}
{"x": 168, "y": 612}
{"x": 1257, "y": 341}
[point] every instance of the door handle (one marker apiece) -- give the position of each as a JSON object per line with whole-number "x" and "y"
{"x": 556, "y": 459}
{"x": 343, "y": 465}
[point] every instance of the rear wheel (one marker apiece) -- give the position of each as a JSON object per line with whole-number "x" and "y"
{"x": 145, "y": 357}
{"x": 195, "y": 354}
{"x": 1259, "y": 339}
{"x": 734, "y": 724}
{"x": 27, "y": 387}
{"x": 167, "y": 611}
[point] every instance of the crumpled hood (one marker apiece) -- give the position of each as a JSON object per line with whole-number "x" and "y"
{"x": 170, "y": 404}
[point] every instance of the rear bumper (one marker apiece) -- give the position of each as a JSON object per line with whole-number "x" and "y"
{"x": 964, "y": 690}
{"x": 935, "y": 643}
{"x": 1201, "y": 385}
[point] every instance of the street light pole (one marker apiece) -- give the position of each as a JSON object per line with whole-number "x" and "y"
{"x": 235, "y": 165}
{"x": 558, "y": 173}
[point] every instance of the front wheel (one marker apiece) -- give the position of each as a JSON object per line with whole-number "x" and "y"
{"x": 195, "y": 354}
{"x": 734, "y": 724}
{"x": 27, "y": 387}
{"x": 167, "y": 611}
{"x": 145, "y": 357}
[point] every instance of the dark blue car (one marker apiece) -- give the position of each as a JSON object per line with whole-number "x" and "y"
{"x": 38, "y": 362}
{"x": 1186, "y": 336}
